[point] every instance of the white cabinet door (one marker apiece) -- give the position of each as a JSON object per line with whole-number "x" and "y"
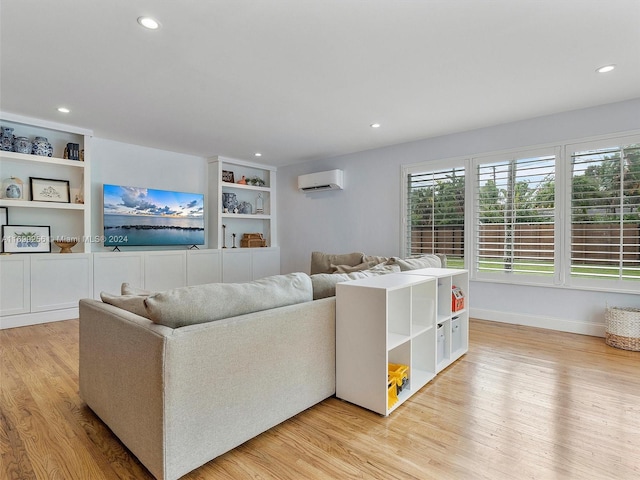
{"x": 265, "y": 262}
{"x": 236, "y": 265}
{"x": 59, "y": 280}
{"x": 164, "y": 270}
{"x": 15, "y": 284}
{"x": 111, "y": 270}
{"x": 203, "y": 266}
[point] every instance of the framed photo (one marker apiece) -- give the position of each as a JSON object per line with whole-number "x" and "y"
{"x": 49, "y": 190}
{"x": 26, "y": 239}
{"x": 227, "y": 176}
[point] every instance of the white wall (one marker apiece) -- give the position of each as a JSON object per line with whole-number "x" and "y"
{"x": 135, "y": 166}
{"x": 365, "y": 216}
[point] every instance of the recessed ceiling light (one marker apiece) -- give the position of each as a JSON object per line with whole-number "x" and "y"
{"x": 148, "y": 22}
{"x": 63, "y": 110}
{"x": 375, "y": 125}
{"x": 258, "y": 154}
{"x": 605, "y": 68}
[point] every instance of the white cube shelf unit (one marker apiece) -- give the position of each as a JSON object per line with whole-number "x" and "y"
{"x": 453, "y": 326}
{"x": 381, "y": 320}
{"x": 404, "y": 318}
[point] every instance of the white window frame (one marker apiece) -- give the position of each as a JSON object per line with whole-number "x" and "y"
{"x": 563, "y": 183}
{"x": 432, "y": 166}
{"x": 510, "y": 277}
{"x": 589, "y": 283}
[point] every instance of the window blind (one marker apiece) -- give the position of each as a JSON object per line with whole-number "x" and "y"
{"x": 515, "y": 216}
{"x": 435, "y": 214}
{"x": 605, "y": 209}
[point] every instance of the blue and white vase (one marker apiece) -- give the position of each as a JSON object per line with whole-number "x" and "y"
{"x": 6, "y": 139}
{"x": 229, "y": 202}
{"x": 22, "y": 145}
{"x": 41, "y": 146}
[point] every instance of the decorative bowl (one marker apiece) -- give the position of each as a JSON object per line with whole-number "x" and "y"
{"x": 65, "y": 246}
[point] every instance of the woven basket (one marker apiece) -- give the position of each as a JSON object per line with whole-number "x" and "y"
{"x": 623, "y": 328}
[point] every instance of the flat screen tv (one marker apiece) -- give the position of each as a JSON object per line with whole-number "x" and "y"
{"x": 135, "y": 216}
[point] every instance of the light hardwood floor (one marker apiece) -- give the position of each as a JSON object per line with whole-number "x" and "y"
{"x": 524, "y": 403}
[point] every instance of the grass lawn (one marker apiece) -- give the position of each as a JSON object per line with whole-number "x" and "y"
{"x": 546, "y": 268}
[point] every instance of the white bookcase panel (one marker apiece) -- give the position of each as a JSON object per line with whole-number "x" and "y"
{"x": 15, "y": 281}
{"x": 59, "y": 281}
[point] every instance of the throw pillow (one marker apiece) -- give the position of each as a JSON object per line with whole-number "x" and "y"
{"x": 321, "y": 262}
{"x": 352, "y": 268}
{"x": 130, "y": 303}
{"x": 127, "y": 289}
{"x": 214, "y": 301}
{"x": 373, "y": 258}
{"x": 382, "y": 269}
{"x": 425, "y": 261}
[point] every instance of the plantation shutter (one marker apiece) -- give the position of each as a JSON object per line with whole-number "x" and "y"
{"x": 515, "y": 215}
{"x": 435, "y": 214}
{"x": 605, "y": 208}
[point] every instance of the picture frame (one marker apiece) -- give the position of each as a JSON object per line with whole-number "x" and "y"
{"x": 50, "y": 190}
{"x": 227, "y": 176}
{"x": 26, "y": 239}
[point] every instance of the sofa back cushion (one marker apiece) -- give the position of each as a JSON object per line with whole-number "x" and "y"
{"x": 131, "y": 303}
{"x": 324, "y": 284}
{"x": 214, "y": 301}
{"x": 322, "y": 262}
{"x": 415, "y": 263}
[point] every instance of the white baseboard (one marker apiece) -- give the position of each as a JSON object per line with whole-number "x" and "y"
{"x": 559, "y": 324}
{"x": 22, "y": 320}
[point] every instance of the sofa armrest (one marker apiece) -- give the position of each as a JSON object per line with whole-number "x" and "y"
{"x": 121, "y": 376}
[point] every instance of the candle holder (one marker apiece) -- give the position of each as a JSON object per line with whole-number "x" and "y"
{"x": 234, "y": 240}
{"x": 224, "y": 236}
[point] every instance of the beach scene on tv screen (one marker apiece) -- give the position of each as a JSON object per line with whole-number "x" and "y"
{"x": 145, "y": 216}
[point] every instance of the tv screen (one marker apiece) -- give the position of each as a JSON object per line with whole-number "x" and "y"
{"x": 145, "y": 216}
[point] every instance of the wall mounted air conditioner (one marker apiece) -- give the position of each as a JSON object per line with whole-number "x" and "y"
{"x": 317, "y": 182}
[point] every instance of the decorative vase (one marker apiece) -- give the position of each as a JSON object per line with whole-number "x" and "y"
{"x": 12, "y": 188}
{"x": 229, "y": 201}
{"x": 22, "y": 145}
{"x": 245, "y": 208}
{"x": 6, "y": 139}
{"x": 41, "y": 146}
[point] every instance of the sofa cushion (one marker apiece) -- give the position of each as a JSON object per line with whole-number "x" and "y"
{"x": 425, "y": 261}
{"x": 126, "y": 289}
{"x": 349, "y": 268}
{"x": 131, "y": 303}
{"x": 321, "y": 262}
{"x": 374, "y": 258}
{"x": 214, "y": 301}
{"x": 324, "y": 284}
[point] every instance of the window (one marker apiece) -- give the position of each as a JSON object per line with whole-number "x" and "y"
{"x": 515, "y": 215}
{"x": 566, "y": 215}
{"x": 605, "y": 213}
{"x": 435, "y": 214}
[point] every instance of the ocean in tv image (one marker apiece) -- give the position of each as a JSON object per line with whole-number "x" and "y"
{"x": 145, "y": 216}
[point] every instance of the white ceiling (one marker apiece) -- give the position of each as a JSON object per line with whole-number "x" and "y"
{"x": 303, "y": 79}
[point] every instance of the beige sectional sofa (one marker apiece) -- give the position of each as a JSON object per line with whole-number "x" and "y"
{"x": 183, "y": 376}
{"x": 179, "y": 397}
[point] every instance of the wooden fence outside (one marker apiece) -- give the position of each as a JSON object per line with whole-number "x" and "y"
{"x": 595, "y": 241}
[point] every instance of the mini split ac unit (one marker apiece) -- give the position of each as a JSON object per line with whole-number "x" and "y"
{"x": 317, "y": 182}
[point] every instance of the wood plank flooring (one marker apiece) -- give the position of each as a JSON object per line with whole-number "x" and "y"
{"x": 524, "y": 403}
